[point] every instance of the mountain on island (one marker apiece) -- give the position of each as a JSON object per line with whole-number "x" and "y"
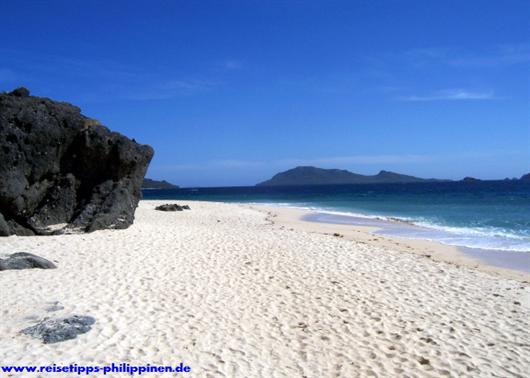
{"x": 320, "y": 176}
{"x": 155, "y": 184}
{"x": 470, "y": 179}
{"x": 525, "y": 177}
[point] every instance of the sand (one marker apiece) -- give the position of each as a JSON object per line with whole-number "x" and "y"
{"x": 291, "y": 217}
{"x": 233, "y": 292}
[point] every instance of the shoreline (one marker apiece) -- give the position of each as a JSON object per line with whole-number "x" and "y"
{"x": 397, "y": 228}
{"x": 238, "y": 291}
{"x": 301, "y": 219}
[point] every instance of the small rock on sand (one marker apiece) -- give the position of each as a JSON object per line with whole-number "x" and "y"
{"x": 56, "y": 330}
{"x": 172, "y": 207}
{"x": 25, "y": 260}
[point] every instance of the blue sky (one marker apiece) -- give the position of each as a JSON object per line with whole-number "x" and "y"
{"x": 231, "y": 92}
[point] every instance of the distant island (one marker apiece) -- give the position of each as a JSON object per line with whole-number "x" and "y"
{"x": 524, "y": 178}
{"x": 320, "y": 176}
{"x": 471, "y": 179}
{"x": 156, "y": 184}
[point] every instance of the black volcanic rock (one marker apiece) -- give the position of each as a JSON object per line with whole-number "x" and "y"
{"x": 60, "y": 168}
{"x": 20, "y": 92}
{"x": 25, "y": 260}
{"x": 172, "y": 207}
{"x": 525, "y": 177}
{"x": 51, "y": 330}
{"x": 155, "y": 184}
{"x": 320, "y": 176}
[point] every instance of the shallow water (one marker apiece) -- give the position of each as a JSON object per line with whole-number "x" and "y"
{"x": 499, "y": 258}
{"x": 490, "y": 215}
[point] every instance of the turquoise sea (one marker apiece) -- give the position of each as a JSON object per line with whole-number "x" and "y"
{"x": 490, "y": 215}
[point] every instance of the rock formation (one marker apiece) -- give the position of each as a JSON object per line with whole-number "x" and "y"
{"x": 25, "y": 260}
{"x": 61, "y": 171}
{"x": 172, "y": 207}
{"x": 56, "y": 330}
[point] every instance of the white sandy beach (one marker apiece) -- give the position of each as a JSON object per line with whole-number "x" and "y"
{"x": 235, "y": 291}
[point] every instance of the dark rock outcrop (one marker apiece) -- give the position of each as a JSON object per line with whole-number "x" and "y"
{"x": 62, "y": 169}
{"x": 25, "y": 260}
{"x": 172, "y": 207}
{"x": 56, "y": 330}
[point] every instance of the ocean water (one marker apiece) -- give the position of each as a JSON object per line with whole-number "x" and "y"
{"x": 492, "y": 215}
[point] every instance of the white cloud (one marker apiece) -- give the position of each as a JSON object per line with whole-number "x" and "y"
{"x": 503, "y": 55}
{"x": 112, "y": 79}
{"x": 452, "y": 95}
{"x": 334, "y": 161}
{"x": 357, "y": 159}
{"x": 380, "y": 161}
{"x": 492, "y": 56}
